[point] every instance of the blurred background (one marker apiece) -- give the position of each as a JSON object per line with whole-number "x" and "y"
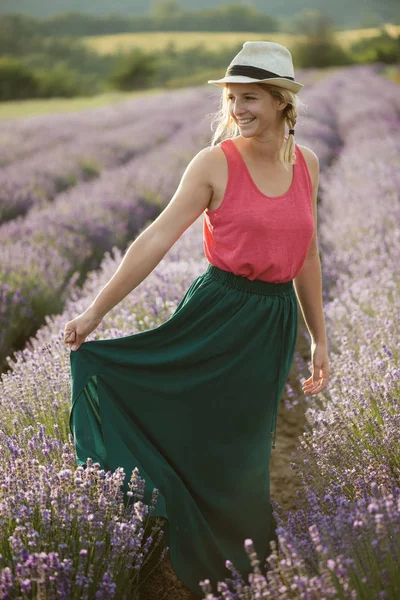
{"x": 101, "y": 50}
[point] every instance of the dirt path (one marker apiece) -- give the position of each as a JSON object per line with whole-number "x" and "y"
{"x": 290, "y": 424}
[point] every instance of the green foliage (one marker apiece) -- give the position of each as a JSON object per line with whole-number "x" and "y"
{"x": 166, "y": 8}
{"x": 347, "y": 14}
{"x": 315, "y": 25}
{"x": 38, "y": 76}
{"x": 64, "y": 182}
{"x": 46, "y": 67}
{"x": 18, "y": 35}
{"x": 382, "y": 48}
{"x": 319, "y": 49}
{"x": 136, "y": 71}
{"x": 191, "y": 62}
{"x": 319, "y": 54}
{"x": 232, "y": 17}
{"x": 16, "y": 80}
{"x": 58, "y": 82}
{"x": 166, "y": 16}
{"x": 79, "y": 24}
{"x": 90, "y": 168}
{"x": 75, "y": 56}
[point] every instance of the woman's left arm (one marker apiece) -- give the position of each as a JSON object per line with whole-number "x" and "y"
{"x": 308, "y": 287}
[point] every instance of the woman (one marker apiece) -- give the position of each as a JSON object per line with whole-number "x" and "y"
{"x": 193, "y": 402}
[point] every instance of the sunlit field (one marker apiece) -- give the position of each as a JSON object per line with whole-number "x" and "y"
{"x": 77, "y": 188}
{"x": 109, "y": 44}
{"x": 18, "y": 109}
{"x": 158, "y": 40}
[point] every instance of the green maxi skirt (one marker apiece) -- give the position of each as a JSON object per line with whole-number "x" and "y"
{"x": 193, "y": 403}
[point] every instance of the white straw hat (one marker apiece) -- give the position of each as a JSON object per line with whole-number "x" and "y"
{"x": 262, "y": 62}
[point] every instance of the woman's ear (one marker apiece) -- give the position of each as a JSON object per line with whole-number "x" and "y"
{"x": 281, "y": 105}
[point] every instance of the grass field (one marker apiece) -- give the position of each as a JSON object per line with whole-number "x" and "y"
{"x": 158, "y": 40}
{"x": 19, "y": 109}
{"x": 109, "y": 44}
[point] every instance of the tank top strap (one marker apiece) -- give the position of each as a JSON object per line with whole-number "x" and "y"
{"x": 235, "y": 165}
{"x": 303, "y": 174}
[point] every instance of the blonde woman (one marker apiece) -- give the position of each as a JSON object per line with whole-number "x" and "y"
{"x": 193, "y": 402}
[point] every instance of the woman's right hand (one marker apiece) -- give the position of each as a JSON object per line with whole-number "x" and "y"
{"x": 77, "y": 330}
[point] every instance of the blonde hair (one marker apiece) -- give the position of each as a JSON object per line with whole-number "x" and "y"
{"x": 227, "y": 128}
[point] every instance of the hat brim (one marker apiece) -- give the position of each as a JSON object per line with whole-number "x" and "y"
{"x": 293, "y": 86}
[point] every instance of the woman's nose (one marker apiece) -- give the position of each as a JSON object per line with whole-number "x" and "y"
{"x": 238, "y": 109}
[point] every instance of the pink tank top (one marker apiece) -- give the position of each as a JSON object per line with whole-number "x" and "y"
{"x": 258, "y": 236}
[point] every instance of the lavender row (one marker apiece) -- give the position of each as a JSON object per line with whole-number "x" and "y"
{"x": 22, "y": 138}
{"x": 41, "y": 253}
{"x": 37, "y": 179}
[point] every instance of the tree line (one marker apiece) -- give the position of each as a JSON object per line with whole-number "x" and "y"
{"x": 166, "y": 16}
{"x": 33, "y": 65}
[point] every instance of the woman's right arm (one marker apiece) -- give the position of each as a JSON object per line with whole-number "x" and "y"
{"x": 191, "y": 198}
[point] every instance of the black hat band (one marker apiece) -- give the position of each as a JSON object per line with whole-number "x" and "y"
{"x": 254, "y": 72}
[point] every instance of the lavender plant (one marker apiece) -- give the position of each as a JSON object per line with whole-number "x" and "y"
{"x": 71, "y": 235}
{"x": 23, "y": 138}
{"x": 65, "y": 531}
{"x": 36, "y": 180}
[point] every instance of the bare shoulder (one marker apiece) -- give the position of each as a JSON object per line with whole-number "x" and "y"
{"x": 308, "y": 153}
{"x": 211, "y": 162}
{"x": 210, "y": 156}
{"x": 312, "y": 162}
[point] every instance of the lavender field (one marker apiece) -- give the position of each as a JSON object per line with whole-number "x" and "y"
{"x": 76, "y": 190}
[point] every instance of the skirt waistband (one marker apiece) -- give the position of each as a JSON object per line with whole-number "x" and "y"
{"x": 256, "y": 286}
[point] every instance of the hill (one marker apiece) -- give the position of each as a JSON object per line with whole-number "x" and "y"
{"x": 345, "y": 14}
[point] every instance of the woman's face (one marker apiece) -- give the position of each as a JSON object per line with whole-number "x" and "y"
{"x": 254, "y": 109}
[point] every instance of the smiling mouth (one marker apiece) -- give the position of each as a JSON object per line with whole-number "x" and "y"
{"x": 244, "y": 122}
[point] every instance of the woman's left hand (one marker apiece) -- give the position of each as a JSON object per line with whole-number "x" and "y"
{"x": 320, "y": 370}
